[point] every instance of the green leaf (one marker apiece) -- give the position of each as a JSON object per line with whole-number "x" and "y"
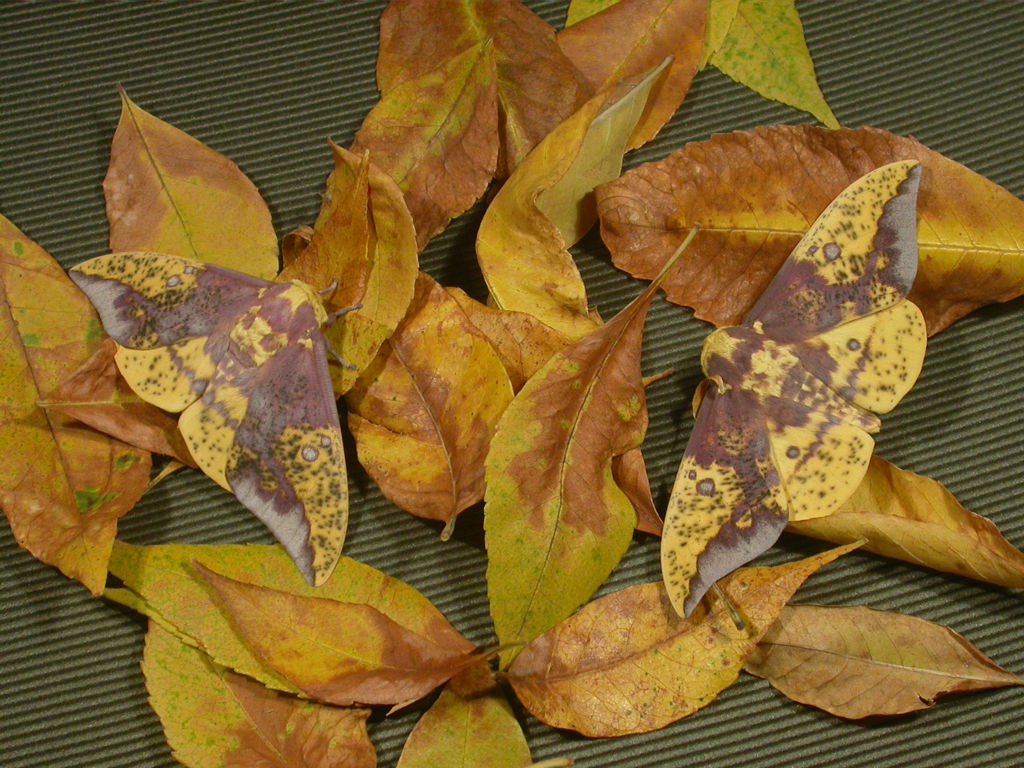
{"x": 766, "y": 51}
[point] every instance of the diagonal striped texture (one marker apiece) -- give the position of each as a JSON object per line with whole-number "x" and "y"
{"x": 267, "y": 84}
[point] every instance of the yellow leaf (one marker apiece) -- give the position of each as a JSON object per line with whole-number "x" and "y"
{"x": 914, "y": 518}
{"x": 169, "y": 193}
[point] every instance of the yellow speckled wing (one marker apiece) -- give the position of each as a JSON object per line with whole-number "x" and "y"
{"x": 170, "y": 377}
{"x": 783, "y": 428}
{"x": 858, "y": 257}
{"x": 819, "y": 461}
{"x": 727, "y": 503}
{"x": 287, "y": 465}
{"x": 872, "y": 361}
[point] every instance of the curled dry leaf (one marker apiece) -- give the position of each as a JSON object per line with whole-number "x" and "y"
{"x": 470, "y": 724}
{"x": 522, "y": 341}
{"x": 363, "y": 241}
{"x": 337, "y": 652}
{"x": 423, "y": 413}
{"x": 632, "y": 36}
{"x": 556, "y": 522}
{"x": 546, "y": 206}
{"x": 212, "y": 716}
{"x": 858, "y": 662}
{"x": 909, "y": 517}
{"x": 96, "y": 394}
{"x": 63, "y": 486}
{"x": 537, "y": 86}
{"x": 169, "y": 193}
{"x": 437, "y": 137}
{"x": 755, "y": 192}
{"x": 161, "y": 582}
{"x": 764, "y": 49}
{"x": 628, "y": 663}
{"x": 336, "y": 260}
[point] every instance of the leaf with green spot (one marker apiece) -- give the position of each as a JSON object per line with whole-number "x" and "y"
{"x": 556, "y": 521}
{"x": 765, "y": 50}
{"x": 212, "y": 716}
{"x": 54, "y": 468}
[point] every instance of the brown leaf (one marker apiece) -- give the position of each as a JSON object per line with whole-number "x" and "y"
{"x": 858, "y": 662}
{"x": 338, "y": 653}
{"x": 471, "y": 724}
{"x": 628, "y": 663}
{"x": 423, "y": 413}
{"x": 161, "y": 582}
{"x": 537, "y": 86}
{"x": 63, "y": 486}
{"x": 555, "y": 519}
{"x": 437, "y": 137}
{"x": 754, "y": 193}
{"x": 169, "y": 193}
{"x": 96, "y": 394}
{"x": 522, "y": 341}
{"x": 910, "y": 517}
{"x": 212, "y": 716}
{"x": 630, "y": 471}
{"x": 632, "y": 36}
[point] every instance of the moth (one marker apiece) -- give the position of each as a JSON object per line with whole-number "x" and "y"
{"x": 244, "y": 361}
{"x": 784, "y": 417}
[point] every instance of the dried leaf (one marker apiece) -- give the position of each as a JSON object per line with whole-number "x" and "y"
{"x": 630, "y": 472}
{"x": 522, "y": 341}
{"x": 546, "y": 206}
{"x": 337, "y": 652}
{"x": 910, "y": 517}
{"x": 390, "y": 279}
{"x": 471, "y": 724}
{"x": 96, "y": 394}
{"x": 754, "y": 193}
{"x": 63, "y": 486}
{"x": 169, "y": 193}
{"x": 336, "y": 259}
{"x": 437, "y": 137}
{"x": 537, "y": 86}
{"x": 632, "y": 36}
{"x": 167, "y": 588}
{"x": 212, "y": 716}
{"x": 423, "y": 413}
{"x": 765, "y": 50}
{"x": 627, "y": 663}
{"x": 556, "y": 522}
{"x": 858, "y": 662}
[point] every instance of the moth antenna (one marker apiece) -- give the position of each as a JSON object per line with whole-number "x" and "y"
{"x": 333, "y": 316}
{"x": 329, "y": 289}
{"x": 733, "y": 612}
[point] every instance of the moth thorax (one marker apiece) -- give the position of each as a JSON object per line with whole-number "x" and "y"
{"x": 720, "y": 343}
{"x": 300, "y": 293}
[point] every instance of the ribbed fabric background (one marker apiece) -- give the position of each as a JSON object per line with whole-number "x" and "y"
{"x": 267, "y": 84}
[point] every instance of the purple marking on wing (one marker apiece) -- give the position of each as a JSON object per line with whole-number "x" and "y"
{"x": 134, "y": 319}
{"x": 800, "y": 303}
{"x": 730, "y": 430}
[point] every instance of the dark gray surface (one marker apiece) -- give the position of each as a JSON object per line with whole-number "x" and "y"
{"x": 266, "y": 84}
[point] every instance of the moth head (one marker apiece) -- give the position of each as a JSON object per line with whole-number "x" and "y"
{"x": 303, "y": 293}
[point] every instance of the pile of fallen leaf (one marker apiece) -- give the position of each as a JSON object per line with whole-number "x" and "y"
{"x": 529, "y": 402}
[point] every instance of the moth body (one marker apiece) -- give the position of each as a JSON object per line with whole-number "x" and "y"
{"x": 783, "y": 422}
{"x": 244, "y": 362}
